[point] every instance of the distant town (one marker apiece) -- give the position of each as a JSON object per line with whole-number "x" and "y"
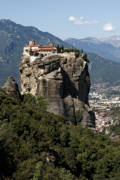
{"x": 103, "y": 100}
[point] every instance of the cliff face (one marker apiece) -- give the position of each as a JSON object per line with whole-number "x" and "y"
{"x": 63, "y": 80}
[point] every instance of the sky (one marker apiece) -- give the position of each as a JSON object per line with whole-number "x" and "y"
{"x": 66, "y": 18}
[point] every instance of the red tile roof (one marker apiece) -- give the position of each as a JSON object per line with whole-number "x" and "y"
{"x": 47, "y": 48}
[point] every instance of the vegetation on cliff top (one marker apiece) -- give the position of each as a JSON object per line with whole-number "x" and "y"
{"x": 61, "y": 49}
{"x": 37, "y": 145}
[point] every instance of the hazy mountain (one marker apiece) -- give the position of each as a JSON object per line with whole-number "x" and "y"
{"x": 12, "y": 39}
{"x": 103, "y": 70}
{"x": 105, "y": 47}
{"x": 114, "y": 40}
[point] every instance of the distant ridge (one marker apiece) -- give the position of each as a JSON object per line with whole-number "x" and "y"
{"x": 108, "y": 48}
{"x": 103, "y": 70}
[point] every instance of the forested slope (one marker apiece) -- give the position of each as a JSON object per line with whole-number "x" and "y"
{"x": 37, "y": 145}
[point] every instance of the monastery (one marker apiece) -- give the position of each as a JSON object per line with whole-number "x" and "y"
{"x": 33, "y": 49}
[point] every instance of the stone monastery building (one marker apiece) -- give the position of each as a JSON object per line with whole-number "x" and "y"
{"x": 33, "y": 49}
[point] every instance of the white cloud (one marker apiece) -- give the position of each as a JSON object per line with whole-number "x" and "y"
{"x": 71, "y": 18}
{"x": 108, "y": 27}
{"x": 82, "y": 20}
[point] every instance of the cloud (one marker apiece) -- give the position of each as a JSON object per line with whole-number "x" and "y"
{"x": 108, "y": 27}
{"x": 81, "y": 20}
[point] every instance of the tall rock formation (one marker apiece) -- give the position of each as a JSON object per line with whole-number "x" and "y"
{"x": 11, "y": 88}
{"x": 63, "y": 80}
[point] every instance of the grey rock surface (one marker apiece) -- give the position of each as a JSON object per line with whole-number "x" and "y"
{"x": 63, "y": 80}
{"x": 11, "y": 88}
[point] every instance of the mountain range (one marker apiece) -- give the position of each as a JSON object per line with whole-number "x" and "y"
{"x": 108, "y": 48}
{"x": 14, "y": 36}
